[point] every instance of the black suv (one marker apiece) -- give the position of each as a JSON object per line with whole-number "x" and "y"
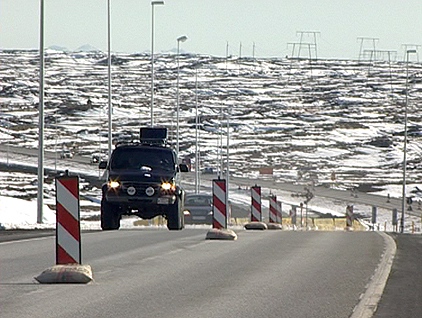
{"x": 142, "y": 181}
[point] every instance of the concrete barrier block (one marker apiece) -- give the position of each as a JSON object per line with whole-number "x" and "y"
{"x": 221, "y": 234}
{"x": 256, "y": 226}
{"x": 68, "y": 273}
{"x": 274, "y": 226}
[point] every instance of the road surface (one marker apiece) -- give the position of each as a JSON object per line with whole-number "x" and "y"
{"x": 161, "y": 273}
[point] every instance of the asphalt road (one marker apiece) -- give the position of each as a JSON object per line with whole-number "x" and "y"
{"x": 158, "y": 273}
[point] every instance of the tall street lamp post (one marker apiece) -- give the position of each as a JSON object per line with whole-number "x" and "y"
{"x": 196, "y": 132}
{"x": 182, "y": 38}
{"x": 110, "y": 105}
{"x": 40, "y": 194}
{"x": 403, "y": 202}
{"x": 153, "y": 4}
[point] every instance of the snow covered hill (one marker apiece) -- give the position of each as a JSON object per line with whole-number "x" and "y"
{"x": 312, "y": 121}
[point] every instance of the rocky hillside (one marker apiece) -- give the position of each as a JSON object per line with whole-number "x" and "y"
{"x": 311, "y": 121}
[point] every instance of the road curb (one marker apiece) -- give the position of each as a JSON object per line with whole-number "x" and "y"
{"x": 369, "y": 300}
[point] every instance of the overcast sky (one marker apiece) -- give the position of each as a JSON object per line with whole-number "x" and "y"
{"x": 210, "y": 24}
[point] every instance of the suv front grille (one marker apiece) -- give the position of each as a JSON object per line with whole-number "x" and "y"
{"x": 139, "y": 186}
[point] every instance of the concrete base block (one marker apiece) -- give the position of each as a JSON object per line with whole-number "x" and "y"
{"x": 256, "y": 226}
{"x": 221, "y": 234}
{"x": 274, "y": 226}
{"x": 68, "y": 273}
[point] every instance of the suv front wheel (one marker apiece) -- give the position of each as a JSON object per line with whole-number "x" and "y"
{"x": 110, "y": 217}
{"x": 175, "y": 218}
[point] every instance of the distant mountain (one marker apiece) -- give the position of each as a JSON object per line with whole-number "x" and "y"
{"x": 58, "y": 48}
{"x": 87, "y": 48}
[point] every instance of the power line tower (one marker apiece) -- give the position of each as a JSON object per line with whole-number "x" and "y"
{"x": 253, "y": 51}
{"x": 380, "y": 55}
{"x": 301, "y": 45}
{"x": 391, "y": 55}
{"x": 363, "y": 52}
{"x": 311, "y": 45}
{"x": 411, "y": 47}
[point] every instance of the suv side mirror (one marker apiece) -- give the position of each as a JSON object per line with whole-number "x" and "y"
{"x": 183, "y": 167}
{"x": 103, "y": 164}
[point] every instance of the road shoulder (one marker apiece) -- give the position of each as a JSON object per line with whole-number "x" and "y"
{"x": 403, "y": 292}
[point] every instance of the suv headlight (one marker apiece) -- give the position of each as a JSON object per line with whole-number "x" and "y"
{"x": 168, "y": 186}
{"x": 113, "y": 184}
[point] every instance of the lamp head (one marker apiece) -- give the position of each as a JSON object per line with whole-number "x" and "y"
{"x": 157, "y": 3}
{"x": 182, "y": 38}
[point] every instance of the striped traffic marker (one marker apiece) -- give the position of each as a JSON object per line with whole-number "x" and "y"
{"x": 68, "y": 268}
{"x": 273, "y": 209}
{"x": 256, "y": 215}
{"x": 68, "y": 234}
{"x": 219, "y": 201}
{"x": 293, "y": 213}
{"x": 349, "y": 216}
{"x": 279, "y": 214}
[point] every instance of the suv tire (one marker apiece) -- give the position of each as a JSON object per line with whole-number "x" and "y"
{"x": 110, "y": 217}
{"x": 175, "y": 218}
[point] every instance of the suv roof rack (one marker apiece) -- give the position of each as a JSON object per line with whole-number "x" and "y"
{"x": 153, "y": 135}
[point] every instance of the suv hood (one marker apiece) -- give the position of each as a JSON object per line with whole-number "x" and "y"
{"x": 154, "y": 175}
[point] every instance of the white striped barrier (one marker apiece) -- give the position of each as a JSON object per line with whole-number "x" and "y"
{"x": 68, "y": 239}
{"x": 279, "y": 213}
{"x": 273, "y": 209}
{"x": 374, "y": 216}
{"x": 256, "y": 215}
{"x": 68, "y": 268}
{"x": 273, "y": 215}
{"x": 349, "y": 217}
{"x": 394, "y": 220}
{"x": 293, "y": 215}
{"x": 219, "y": 202}
{"x": 219, "y": 212}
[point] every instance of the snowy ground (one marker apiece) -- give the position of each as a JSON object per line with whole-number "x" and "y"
{"x": 309, "y": 121}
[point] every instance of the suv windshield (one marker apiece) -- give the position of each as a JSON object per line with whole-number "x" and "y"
{"x": 142, "y": 158}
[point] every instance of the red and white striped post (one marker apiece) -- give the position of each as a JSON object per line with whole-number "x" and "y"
{"x": 273, "y": 209}
{"x": 293, "y": 215}
{"x": 68, "y": 230}
{"x": 219, "y": 202}
{"x": 279, "y": 214}
{"x": 349, "y": 216}
{"x": 256, "y": 215}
